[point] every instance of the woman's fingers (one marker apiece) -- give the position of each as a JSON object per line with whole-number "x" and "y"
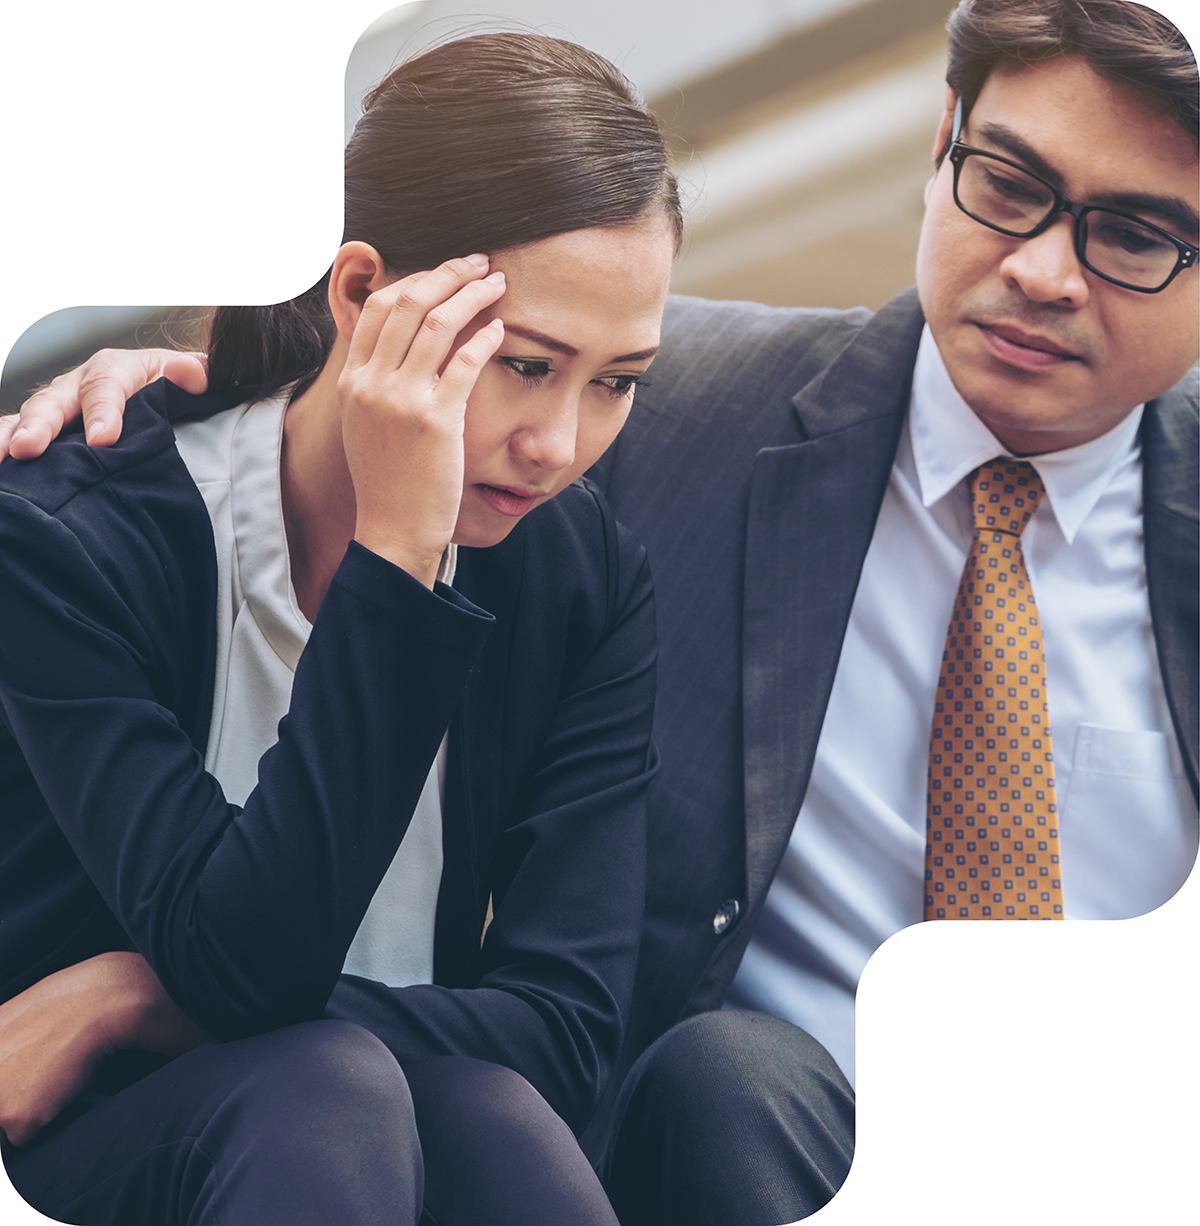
{"x": 437, "y": 337}
{"x": 458, "y": 379}
{"x": 402, "y": 305}
{"x": 437, "y": 304}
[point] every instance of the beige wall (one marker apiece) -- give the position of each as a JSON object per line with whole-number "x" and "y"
{"x": 802, "y": 131}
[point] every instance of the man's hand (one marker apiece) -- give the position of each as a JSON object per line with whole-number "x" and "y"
{"x": 98, "y": 389}
{"x": 54, "y": 1035}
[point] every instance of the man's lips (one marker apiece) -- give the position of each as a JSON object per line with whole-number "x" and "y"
{"x": 1026, "y": 350}
{"x": 510, "y": 499}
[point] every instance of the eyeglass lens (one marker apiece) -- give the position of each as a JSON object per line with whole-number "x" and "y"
{"x": 1009, "y": 199}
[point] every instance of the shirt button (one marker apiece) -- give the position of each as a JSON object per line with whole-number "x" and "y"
{"x": 726, "y": 916}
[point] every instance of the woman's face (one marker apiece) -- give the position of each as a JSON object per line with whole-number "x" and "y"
{"x": 581, "y": 319}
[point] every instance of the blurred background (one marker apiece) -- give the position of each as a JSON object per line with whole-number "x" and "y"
{"x": 802, "y": 130}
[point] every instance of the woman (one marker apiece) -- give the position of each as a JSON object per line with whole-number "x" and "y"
{"x": 441, "y": 854}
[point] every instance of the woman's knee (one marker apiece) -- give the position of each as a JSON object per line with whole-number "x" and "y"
{"x": 495, "y": 1150}
{"x": 306, "y": 1125}
{"x": 468, "y": 1097}
{"x": 323, "y": 1080}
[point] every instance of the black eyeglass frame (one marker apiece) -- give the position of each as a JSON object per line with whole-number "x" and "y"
{"x": 959, "y": 152}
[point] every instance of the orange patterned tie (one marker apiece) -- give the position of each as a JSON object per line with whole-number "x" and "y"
{"x": 991, "y": 824}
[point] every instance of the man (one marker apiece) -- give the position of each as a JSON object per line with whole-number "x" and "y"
{"x": 803, "y": 483}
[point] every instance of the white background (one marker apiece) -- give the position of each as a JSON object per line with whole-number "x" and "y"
{"x": 156, "y": 152}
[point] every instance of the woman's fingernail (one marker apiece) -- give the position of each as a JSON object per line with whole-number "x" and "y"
{"x": 480, "y": 261}
{"x": 497, "y": 278}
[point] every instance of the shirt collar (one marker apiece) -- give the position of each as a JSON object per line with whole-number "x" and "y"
{"x": 948, "y": 441}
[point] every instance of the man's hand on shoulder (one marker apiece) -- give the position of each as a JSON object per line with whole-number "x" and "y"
{"x": 98, "y": 389}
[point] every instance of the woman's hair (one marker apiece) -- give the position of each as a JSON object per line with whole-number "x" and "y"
{"x": 480, "y": 144}
{"x": 1127, "y": 43}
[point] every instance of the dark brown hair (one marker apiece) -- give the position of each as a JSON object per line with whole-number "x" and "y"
{"x": 1128, "y": 43}
{"x": 480, "y": 144}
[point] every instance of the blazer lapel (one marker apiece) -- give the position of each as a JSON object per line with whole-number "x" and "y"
{"x": 1172, "y": 544}
{"x": 812, "y": 513}
{"x": 491, "y": 579}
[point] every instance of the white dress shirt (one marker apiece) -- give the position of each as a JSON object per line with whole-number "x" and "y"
{"x": 853, "y": 871}
{"x": 234, "y": 459}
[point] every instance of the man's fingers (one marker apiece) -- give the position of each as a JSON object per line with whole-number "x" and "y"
{"x": 8, "y": 424}
{"x": 188, "y": 371}
{"x": 41, "y": 419}
{"x": 105, "y": 382}
{"x": 98, "y": 390}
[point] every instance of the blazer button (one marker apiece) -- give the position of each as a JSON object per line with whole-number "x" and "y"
{"x": 726, "y": 916}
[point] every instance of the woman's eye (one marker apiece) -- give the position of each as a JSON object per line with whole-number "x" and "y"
{"x": 529, "y": 370}
{"x": 619, "y": 385}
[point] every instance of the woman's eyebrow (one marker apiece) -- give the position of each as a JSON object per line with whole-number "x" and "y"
{"x": 540, "y": 338}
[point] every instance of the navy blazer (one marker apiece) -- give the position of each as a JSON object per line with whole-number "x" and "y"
{"x": 753, "y": 467}
{"x": 112, "y": 836}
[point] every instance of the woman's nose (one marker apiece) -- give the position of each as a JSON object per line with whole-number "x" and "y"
{"x": 549, "y": 441}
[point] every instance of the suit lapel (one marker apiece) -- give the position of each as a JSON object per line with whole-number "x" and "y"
{"x": 1172, "y": 544}
{"x": 812, "y": 512}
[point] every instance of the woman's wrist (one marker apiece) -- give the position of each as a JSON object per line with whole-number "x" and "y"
{"x": 135, "y": 1010}
{"x": 422, "y": 564}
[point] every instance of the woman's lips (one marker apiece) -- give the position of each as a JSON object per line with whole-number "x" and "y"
{"x": 511, "y": 500}
{"x": 1025, "y": 350}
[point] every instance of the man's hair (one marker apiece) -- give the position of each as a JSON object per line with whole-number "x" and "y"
{"x": 1128, "y": 43}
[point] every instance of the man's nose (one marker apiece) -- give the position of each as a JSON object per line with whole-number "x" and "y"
{"x": 1046, "y": 267}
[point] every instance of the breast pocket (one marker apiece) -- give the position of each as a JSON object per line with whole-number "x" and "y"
{"x": 1128, "y": 825}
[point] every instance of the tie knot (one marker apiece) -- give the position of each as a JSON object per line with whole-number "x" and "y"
{"x": 1004, "y": 495}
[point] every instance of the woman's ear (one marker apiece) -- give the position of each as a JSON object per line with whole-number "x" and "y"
{"x": 358, "y": 271}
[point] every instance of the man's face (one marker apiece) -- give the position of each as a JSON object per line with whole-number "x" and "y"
{"x": 1048, "y": 354}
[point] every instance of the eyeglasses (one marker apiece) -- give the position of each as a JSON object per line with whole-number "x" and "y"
{"x": 1117, "y": 246}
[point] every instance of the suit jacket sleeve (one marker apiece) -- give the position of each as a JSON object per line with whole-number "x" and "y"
{"x": 245, "y": 915}
{"x": 555, "y": 973}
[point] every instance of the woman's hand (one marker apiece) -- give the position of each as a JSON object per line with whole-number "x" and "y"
{"x": 54, "y": 1035}
{"x": 403, "y": 394}
{"x": 98, "y": 389}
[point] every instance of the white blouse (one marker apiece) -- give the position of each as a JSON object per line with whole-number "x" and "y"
{"x": 234, "y": 459}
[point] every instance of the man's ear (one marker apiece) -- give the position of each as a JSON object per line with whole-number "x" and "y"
{"x": 358, "y": 271}
{"x": 941, "y": 142}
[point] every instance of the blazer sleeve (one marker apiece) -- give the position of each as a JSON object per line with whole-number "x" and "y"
{"x": 245, "y": 915}
{"x": 568, "y": 879}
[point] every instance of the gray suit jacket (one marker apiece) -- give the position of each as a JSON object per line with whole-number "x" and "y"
{"x": 752, "y": 468}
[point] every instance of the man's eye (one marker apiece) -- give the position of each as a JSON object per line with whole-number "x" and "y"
{"x": 1122, "y": 235}
{"x": 1018, "y": 190}
{"x": 529, "y": 370}
{"x": 619, "y": 385}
